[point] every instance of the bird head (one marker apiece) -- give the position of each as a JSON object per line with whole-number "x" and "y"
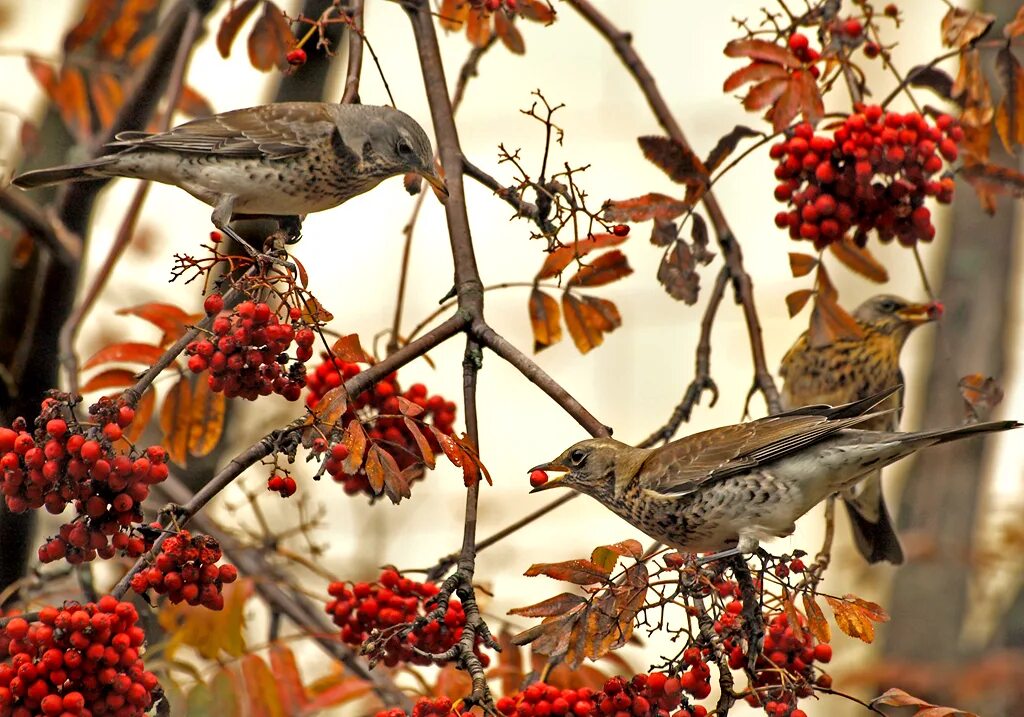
{"x": 890, "y": 314}
{"x": 599, "y": 467}
{"x": 403, "y": 146}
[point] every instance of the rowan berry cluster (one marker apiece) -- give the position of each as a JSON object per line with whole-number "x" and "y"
{"x": 800, "y": 46}
{"x": 80, "y": 659}
{"x": 873, "y": 173}
{"x": 423, "y": 707}
{"x": 388, "y": 427}
{"x": 62, "y": 460}
{"x": 494, "y": 5}
{"x": 653, "y": 695}
{"x": 186, "y": 571}
{"x": 284, "y": 484}
{"x": 795, "y": 652}
{"x": 363, "y": 609}
{"x": 246, "y": 353}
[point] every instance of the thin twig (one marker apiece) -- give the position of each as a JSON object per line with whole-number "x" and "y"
{"x": 355, "y": 54}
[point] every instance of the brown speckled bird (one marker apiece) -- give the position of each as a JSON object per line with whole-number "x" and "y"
{"x": 852, "y": 369}
{"x": 729, "y": 488}
{"x": 281, "y": 160}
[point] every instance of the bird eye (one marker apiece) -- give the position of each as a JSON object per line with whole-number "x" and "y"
{"x": 578, "y": 456}
{"x": 888, "y": 305}
{"x": 403, "y": 148}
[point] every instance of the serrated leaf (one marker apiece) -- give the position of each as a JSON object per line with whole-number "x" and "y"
{"x": 796, "y": 301}
{"x": 816, "y": 621}
{"x": 727, "y": 145}
{"x": 557, "y": 605}
{"x": 449, "y": 445}
{"x": 664, "y": 232}
{"x": 580, "y": 572}
{"x": 677, "y": 273}
{"x": 642, "y": 209}
{"x": 545, "y": 320}
{"x": 349, "y": 349}
{"x": 175, "y": 420}
{"x": 754, "y": 72}
{"x": 856, "y": 617}
{"x": 355, "y": 440}
{"x": 859, "y": 259}
{"x": 610, "y": 266}
{"x": 207, "y": 419}
{"x": 762, "y": 50}
{"x": 675, "y": 159}
{"x": 556, "y": 261}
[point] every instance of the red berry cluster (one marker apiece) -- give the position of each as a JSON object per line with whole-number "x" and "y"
{"x": 284, "y": 484}
{"x": 246, "y": 352}
{"x": 494, "y": 5}
{"x": 653, "y": 695}
{"x": 75, "y": 660}
{"x": 874, "y": 172}
{"x": 64, "y": 461}
{"x": 360, "y": 609}
{"x": 389, "y": 426}
{"x": 186, "y": 571}
{"x": 423, "y": 707}
{"x": 799, "y": 45}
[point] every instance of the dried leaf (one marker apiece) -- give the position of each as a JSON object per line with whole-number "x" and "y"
{"x": 537, "y": 10}
{"x": 626, "y": 548}
{"x": 545, "y": 320}
{"x": 792, "y": 615}
{"x": 727, "y": 145}
{"x": 271, "y": 40}
{"x": 602, "y": 314}
{"x": 765, "y": 94}
{"x": 762, "y": 50}
{"x": 107, "y": 96}
{"x": 1015, "y": 28}
{"x": 754, "y": 72}
{"x": 801, "y": 96}
{"x": 68, "y": 93}
{"x": 580, "y": 572}
{"x": 143, "y": 412}
{"x": 384, "y": 474}
{"x": 830, "y": 322}
{"x": 610, "y": 266}
{"x": 961, "y": 27}
{"x": 578, "y": 320}
{"x": 801, "y": 264}
{"x": 355, "y": 440}
{"x": 175, "y": 420}
{"x": 980, "y": 393}
{"x": 192, "y": 104}
{"x": 557, "y": 605}
{"x": 261, "y": 688}
{"x": 677, "y": 274}
{"x": 676, "y": 160}
{"x": 856, "y": 617}
{"x": 170, "y": 319}
{"x": 699, "y": 237}
{"x": 348, "y": 349}
{"x": 142, "y": 50}
{"x": 120, "y": 33}
{"x": 452, "y": 14}
{"x": 664, "y": 232}
{"x": 556, "y": 261}
{"x": 449, "y": 445}
{"x": 331, "y": 406}
{"x": 478, "y": 27}
{"x": 994, "y": 180}
{"x": 426, "y": 452}
{"x": 127, "y": 352}
{"x": 896, "y": 697}
{"x": 28, "y": 137}
{"x": 110, "y": 378}
{"x": 207, "y": 420}
{"x": 796, "y": 301}
{"x": 231, "y": 24}
{"x": 97, "y": 13}
{"x": 1009, "y": 117}
{"x": 509, "y": 35}
{"x": 640, "y": 209}
{"x": 859, "y": 259}
{"x": 816, "y": 621}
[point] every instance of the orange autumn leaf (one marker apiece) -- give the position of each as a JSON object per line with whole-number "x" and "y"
{"x": 545, "y": 320}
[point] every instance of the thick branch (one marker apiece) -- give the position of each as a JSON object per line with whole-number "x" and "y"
{"x": 66, "y": 247}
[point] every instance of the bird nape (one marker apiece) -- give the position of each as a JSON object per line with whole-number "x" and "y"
{"x": 725, "y": 490}
{"x": 282, "y": 160}
{"x": 848, "y": 369}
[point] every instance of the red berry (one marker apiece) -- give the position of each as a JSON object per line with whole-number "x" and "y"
{"x": 213, "y": 304}
{"x": 823, "y": 652}
{"x": 296, "y": 57}
{"x": 852, "y": 28}
{"x": 798, "y": 42}
{"x": 620, "y": 230}
{"x": 538, "y": 478}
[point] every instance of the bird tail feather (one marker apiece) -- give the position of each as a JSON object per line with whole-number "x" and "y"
{"x": 65, "y": 173}
{"x": 945, "y": 435}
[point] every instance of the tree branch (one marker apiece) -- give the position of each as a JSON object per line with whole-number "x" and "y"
{"x": 355, "y": 54}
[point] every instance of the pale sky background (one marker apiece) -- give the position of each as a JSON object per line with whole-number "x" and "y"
{"x": 633, "y": 381}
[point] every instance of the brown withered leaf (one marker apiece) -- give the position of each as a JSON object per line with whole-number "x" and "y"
{"x": 975, "y": 145}
{"x": 931, "y": 78}
{"x": 831, "y": 322}
{"x": 856, "y": 616}
{"x": 449, "y": 445}
{"x": 765, "y": 94}
{"x": 896, "y": 697}
{"x": 792, "y": 614}
{"x": 640, "y": 209}
{"x": 583, "y": 322}
{"x": 557, "y": 605}
{"x": 231, "y": 24}
{"x": 758, "y": 72}
{"x": 610, "y": 266}
{"x": 699, "y": 236}
{"x": 602, "y": 313}
{"x": 271, "y": 40}
{"x": 727, "y": 145}
{"x": 676, "y": 160}
{"x": 207, "y": 419}
{"x": 801, "y": 96}
{"x": 126, "y": 352}
{"x": 426, "y": 452}
{"x": 332, "y": 406}
{"x": 795, "y": 301}
{"x": 762, "y": 50}
{"x": 677, "y": 273}
{"x": 971, "y": 89}
{"x": 608, "y": 555}
{"x": 383, "y": 473}
{"x": 407, "y": 407}
{"x": 122, "y": 31}
{"x": 472, "y": 466}
{"x": 478, "y": 27}
{"x": 1009, "y": 117}
{"x": 452, "y": 14}
{"x": 355, "y": 440}
{"x": 664, "y": 232}
{"x": 859, "y": 259}
{"x": 509, "y": 35}
{"x": 801, "y": 264}
{"x": 992, "y": 180}
{"x": 961, "y": 27}
{"x": 192, "y": 104}
{"x": 68, "y": 93}
{"x": 816, "y": 621}
{"x": 556, "y": 261}
{"x": 176, "y": 419}
{"x": 1015, "y": 28}
{"x": 349, "y": 349}
{"x": 537, "y": 10}
{"x": 545, "y": 320}
{"x": 97, "y": 14}
{"x": 580, "y": 572}
{"x": 981, "y": 394}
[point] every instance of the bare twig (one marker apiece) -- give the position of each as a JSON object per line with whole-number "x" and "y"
{"x": 355, "y": 54}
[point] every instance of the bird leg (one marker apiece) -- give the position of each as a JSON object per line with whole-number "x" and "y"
{"x": 221, "y": 219}
{"x": 292, "y": 228}
{"x": 747, "y": 544}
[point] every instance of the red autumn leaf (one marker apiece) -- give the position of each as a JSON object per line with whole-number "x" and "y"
{"x": 727, "y": 144}
{"x": 537, "y": 10}
{"x": 110, "y": 378}
{"x": 581, "y": 572}
{"x": 509, "y": 35}
{"x": 175, "y": 420}
{"x": 765, "y": 94}
{"x": 271, "y": 40}
{"x": 801, "y": 264}
{"x": 980, "y": 393}
{"x": 557, "y": 605}
{"x": 676, "y": 160}
{"x": 97, "y": 13}
{"x": 545, "y": 320}
{"x": 126, "y": 25}
{"x": 556, "y": 261}
{"x": 859, "y": 259}
{"x": 762, "y": 50}
{"x": 426, "y": 452}
{"x": 472, "y": 456}
{"x": 348, "y": 349}
{"x": 800, "y": 97}
{"x": 478, "y": 27}
{"x": 449, "y": 445}
{"x": 127, "y": 352}
{"x": 641, "y": 209}
{"x": 107, "y": 96}
{"x": 384, "y": 474}
{"x": 816, "y": 622}
{"x": 1009, "y": 117}
{"x": 754, "y": 72}
{"x": 578, "y": 320}
{"x": 896, "y": 697}
{"x": 170, "y": 319}
{"x": 231, "y": 24}
{"x": 408, "y": 408}
{"x": 796, "y": 301}
{"x": 610, "y": 266}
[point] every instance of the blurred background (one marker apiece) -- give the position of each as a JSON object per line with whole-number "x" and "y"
{"x": 955, "y": 604}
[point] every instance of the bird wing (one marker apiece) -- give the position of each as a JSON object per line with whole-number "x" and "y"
{"x": 684, "y": 465}
{"x": 273, "y": 131}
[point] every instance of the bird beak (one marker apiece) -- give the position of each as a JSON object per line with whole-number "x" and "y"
{"x": 437, "y": 182}
{"x": 554, "y": 482}
{"x": 917, "y": 314}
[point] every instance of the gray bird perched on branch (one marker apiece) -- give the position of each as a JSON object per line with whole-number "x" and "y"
{"x": 281, "y": 160}
{"x": 729, "y": 488}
